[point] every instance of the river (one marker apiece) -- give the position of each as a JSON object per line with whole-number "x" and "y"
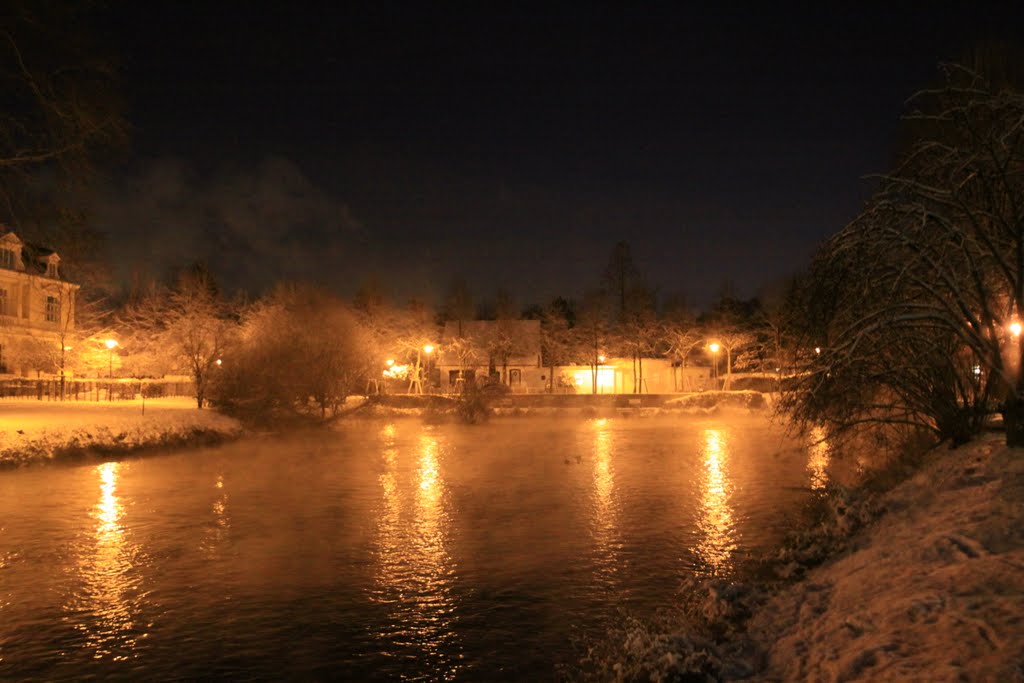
{"x": 381, "y": 550}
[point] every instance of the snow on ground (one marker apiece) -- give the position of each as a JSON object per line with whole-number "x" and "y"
{"x": 933, "y": 591}
{"x": 33, "y": 430}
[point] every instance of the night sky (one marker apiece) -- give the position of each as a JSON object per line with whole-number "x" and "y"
{"x": 511, "y": 144}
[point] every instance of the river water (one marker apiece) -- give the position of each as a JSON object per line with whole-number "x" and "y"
{"x": 382, "y": 550}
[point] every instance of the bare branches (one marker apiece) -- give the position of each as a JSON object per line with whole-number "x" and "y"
{"x": 917, "y": 294}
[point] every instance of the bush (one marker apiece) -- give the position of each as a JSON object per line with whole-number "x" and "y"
{"x": 472, "y": 406}
{"x": 301, "y": 353}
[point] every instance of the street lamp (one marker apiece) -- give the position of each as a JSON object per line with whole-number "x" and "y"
{"x": 111, "y": 345}
{"x": 1015, "y": 328}
{"x": 427, "y": 349}
{"x": 713, "y": 347}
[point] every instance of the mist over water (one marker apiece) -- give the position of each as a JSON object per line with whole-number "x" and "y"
{"x": 381, "y": 550}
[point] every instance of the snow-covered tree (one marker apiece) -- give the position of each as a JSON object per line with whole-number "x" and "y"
{"x": 915, "y": 305}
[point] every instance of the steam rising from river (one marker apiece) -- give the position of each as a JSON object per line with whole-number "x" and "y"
{"x": 387, "y": 550}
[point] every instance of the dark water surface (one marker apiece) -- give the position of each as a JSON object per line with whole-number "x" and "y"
{"x": 380, "y": 551}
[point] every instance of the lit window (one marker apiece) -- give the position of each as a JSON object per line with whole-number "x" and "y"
{"x": 52, "y": 309}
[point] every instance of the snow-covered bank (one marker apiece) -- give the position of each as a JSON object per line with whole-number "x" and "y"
{"x": 36, "y": 431}
{"x": 933, "y": 590}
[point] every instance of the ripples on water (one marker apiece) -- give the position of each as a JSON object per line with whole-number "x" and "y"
{"x": 381, "y": 551}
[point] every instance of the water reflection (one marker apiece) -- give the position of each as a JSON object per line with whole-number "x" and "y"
{"x": 819, "y": 454}
{"x": 605, "y": 522}
{"x": 415, "y": 572}
{"x": 107, "y": 605}
{"x": 217, "y": 532}
{"x": 715, "y": 522}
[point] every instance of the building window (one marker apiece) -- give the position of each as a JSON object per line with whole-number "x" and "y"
{"x": 3, "y": 358}
{"x": 52, "y": 309}
{"x": 7, "y": 259}
{"x": 51, "y": 270}
{"x": 3, "y": 301}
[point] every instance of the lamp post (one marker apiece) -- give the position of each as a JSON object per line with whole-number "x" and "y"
{"x": 111, "y": 344}
{"x": 713, "y": 347}
{"x": 427, "y": 349}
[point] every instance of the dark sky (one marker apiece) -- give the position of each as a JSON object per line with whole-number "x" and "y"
{"x": 513, "y": 144}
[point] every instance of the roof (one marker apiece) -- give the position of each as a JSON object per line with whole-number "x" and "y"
{"x": 34, "y": 257}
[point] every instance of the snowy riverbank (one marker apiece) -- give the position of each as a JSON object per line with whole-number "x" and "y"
{"x": 932, "y": 590}
{"x": 38, "y": 431}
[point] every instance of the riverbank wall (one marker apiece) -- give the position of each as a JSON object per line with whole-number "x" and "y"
{"x": 50, "y": 431}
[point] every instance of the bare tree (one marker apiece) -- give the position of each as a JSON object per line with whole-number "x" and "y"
{"x": 917, "y": 301}
{"x": 555, "y": 338}
{"x": 60, "y": 103}
{"x": 184, "y": 328}
{"x": 731, "y": 341}
{"x": 592, "y": 333}
{"x": 680, "y": 337}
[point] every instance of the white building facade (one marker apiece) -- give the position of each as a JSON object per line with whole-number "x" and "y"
{"x": 37, "y": 308}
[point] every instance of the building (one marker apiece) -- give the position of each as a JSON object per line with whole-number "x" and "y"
{"x": 623, "y": 376}
{"x": 509, "y": 352}
{"x": 37, "y": 307}
{"x": 491, "y": 351}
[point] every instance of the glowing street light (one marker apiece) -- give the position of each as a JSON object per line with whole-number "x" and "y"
{"x": 713, "y": 347}
{"x": 111, "y": 345}
{"x": 428, "y": 349}
{"x": 1015, "y": 328}
{"x": 389, "y": 362}
{"x": 600, "y": 359}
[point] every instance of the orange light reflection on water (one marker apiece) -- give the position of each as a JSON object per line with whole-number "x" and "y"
{"x": 415, "y": 573}
{"x": 217, "y": 532}
{"x": 715, "y": 521}
{"x": 605, "y": 522}
{"x": 818, "y": 459}
{"x": 107, "y": 604}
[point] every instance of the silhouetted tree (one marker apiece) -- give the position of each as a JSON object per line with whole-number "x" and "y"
{"x": 914, "y": 300}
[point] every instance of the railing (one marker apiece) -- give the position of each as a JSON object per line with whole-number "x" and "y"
{"x": 50, "y": 389}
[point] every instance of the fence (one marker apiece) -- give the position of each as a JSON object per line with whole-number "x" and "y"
{"x": 49, "y": 389}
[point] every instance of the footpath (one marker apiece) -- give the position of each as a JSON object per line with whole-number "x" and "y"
{"x": 37, "y": 431}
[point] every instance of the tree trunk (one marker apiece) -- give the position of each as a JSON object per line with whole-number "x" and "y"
{"x": 1013, "y": 420}
{"x": 634, "y": 373}
{"x": 200, "y": 390}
